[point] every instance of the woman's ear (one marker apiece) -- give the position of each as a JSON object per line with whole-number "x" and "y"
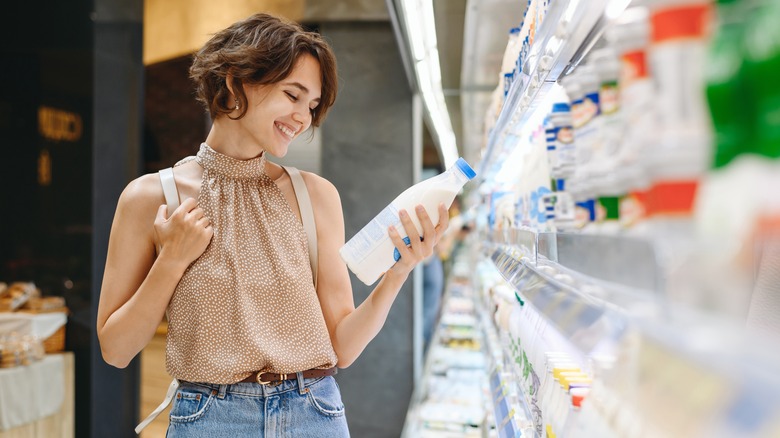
{"x": 229, "y": 83}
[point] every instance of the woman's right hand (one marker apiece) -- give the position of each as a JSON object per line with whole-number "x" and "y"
{"x": 186, "y": 234}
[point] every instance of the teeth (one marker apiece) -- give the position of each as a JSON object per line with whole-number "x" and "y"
{"x": 285, "y": 130}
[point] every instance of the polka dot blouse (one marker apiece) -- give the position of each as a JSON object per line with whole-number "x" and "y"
{"x": 248, "y": 303}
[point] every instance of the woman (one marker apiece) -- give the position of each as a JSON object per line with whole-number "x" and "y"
{"x": 253, "y": 344}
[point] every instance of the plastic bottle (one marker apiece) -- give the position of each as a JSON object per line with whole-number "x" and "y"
{"x": 677, "y": 54}
{"x": 588, "y": 133}
{"x": 725, "y": 91}
{"x": 762, "y": 64}
{"x": 681, "y": 153}
{"x": 572, "y": 419}
{"x": 631, "y": 38}
{"x": 371, "y": 252}
{"x": 605, "y": 183}
{"x": 512, "y": 51}
{"x": 607, "y": 66}
{"x": 560, "y": 141}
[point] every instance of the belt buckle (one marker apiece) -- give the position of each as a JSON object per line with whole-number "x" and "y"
{"x": 282, "y": 378}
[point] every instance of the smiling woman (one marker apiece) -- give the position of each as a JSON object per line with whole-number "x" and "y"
{"x": 259, "y": 303}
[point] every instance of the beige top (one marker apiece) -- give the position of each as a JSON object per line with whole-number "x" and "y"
{"x": 248, "y": 302}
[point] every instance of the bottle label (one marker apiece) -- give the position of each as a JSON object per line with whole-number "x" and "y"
{"x": 578, "y": 113}
{"x": 634, "y": 67}
{"x": 609, "y": 97}
{"x": 632, "y": 209}
{"x": 564, "y": 145}
{"x": 360, "y": 246}
{"x": 590, "y": 107}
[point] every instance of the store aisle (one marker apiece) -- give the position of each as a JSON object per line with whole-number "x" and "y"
{"x": 154, "y": 384}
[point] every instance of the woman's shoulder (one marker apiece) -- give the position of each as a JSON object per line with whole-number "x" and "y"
{"x": 143, "y": 192}
{"x": 319, "y": 187}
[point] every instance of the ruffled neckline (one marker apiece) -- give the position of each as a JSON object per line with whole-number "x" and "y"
{"x": 221, "y": 164}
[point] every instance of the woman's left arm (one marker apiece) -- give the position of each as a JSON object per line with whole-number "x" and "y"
{"x": 350, "y": 328}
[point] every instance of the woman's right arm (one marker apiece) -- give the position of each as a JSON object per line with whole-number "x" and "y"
{"x": 137, "y": 286}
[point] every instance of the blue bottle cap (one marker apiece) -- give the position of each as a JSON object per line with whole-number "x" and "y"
{"x": 560, "y": 185}
{"x": 465, "y": 168}
{"x": 561, "y": 107}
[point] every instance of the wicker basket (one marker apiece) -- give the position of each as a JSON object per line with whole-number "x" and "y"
{"x": 56, "y": 342}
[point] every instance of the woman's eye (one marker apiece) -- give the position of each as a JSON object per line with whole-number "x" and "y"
{"x": 293, "y": 98}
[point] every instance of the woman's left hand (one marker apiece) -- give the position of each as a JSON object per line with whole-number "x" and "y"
{"x": 419, "y": 248}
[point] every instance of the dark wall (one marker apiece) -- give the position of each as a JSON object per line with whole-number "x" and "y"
{"x": 70, "y": 123}
{"x": 46, "y": 121}
{"x": 174, "y": 122}
{"x": 367, "y": 154}
{"x": 118, "y": 102}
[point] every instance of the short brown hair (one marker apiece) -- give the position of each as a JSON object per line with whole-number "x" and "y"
{"x": 260, "y": 50}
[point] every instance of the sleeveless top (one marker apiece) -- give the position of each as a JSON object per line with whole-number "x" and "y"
{"x": 248, "y": 302}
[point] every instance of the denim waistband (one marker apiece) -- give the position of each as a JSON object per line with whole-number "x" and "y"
{"x": 256, "y": 389}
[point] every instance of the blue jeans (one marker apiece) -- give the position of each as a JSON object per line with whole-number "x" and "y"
{"x": 301, "y": 408}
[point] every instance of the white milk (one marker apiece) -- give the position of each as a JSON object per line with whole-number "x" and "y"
{"x": 370, "y": 252}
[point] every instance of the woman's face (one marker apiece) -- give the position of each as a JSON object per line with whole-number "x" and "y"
{"x": 277, "y": 113}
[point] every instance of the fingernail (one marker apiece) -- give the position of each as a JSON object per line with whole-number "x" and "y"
{"x": 391, "y": 229}
{"x": 402, "y": 213}
{"x": 420, "y": 208}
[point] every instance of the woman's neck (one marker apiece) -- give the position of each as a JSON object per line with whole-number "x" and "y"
{"x": 227, "y": 138}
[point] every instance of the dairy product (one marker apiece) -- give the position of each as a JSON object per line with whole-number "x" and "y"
{"x": 371, "y": 252}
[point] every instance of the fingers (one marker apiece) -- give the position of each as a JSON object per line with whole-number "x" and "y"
{"x": 411, "y": 231}
{"x": 444, "y": 221}
{"x": 429, "y": 234}
{"x": 197, "y": 214}
{"x": 190, "y": 211}
{"x": 203, "y": 222}
{"x": 162, "y": 214}
{"x": 187, "y": 206}
{"x": 404, "y": 252}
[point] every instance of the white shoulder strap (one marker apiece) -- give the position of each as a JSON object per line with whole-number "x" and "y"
{"x": 168, "y": 398}
{"x": 307, "y": 216}
{"x": 169, "y": 189}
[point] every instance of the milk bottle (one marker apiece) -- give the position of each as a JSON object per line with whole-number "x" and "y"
{"x": 371, "y": 252}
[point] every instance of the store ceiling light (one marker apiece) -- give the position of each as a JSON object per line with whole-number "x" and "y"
{"x": 421, "y": 32}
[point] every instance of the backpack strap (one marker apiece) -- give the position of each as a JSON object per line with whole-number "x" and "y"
{"x": 307, "y": 216}
{"x": 172, "y": 200}
{"x": 169, "y": 189}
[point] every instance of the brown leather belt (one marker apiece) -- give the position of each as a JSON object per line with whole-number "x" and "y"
{"x": 271, "y": 378}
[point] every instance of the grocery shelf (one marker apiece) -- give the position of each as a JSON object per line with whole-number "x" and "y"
{"x": 567, "y": 33}
{"x": 508, "y": 407}
{"x": 429, "y": 414}
{"x": 628, "y": 261}
{"x": 672, "y": 370}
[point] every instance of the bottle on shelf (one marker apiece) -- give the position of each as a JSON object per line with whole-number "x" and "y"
{"x": 560, "y": 141}
{"x": 585, "y": 212}
{"x": 679, "y": 30}
{"x": 761, "y": 67}
{"x": 630, "y": 36}
{"x": 606, "y": 186}
{"x": 731, "y": 118}
{"x": 738, "y": 209}
{"x": 681, "y": 149}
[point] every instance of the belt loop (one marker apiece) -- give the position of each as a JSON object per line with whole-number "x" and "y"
{"x": 301, "y": 383}
{"x": 222, "y": 391}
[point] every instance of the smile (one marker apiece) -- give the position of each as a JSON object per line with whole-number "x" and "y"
{"x": 285, "y": 130}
